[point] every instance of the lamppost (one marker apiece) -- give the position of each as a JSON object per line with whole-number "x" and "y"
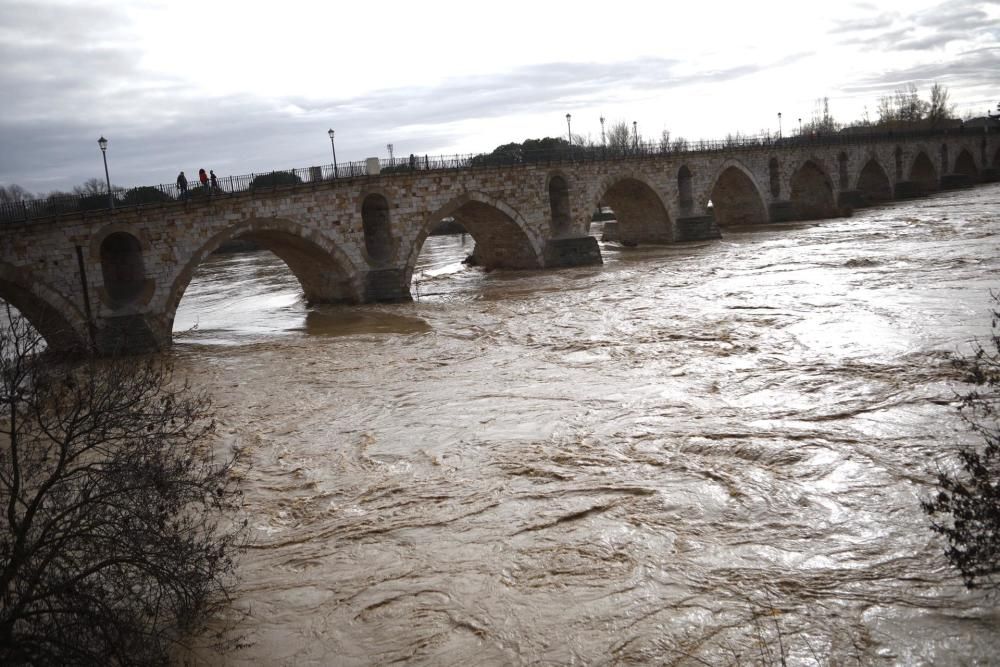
{"x": 603, "y": 142}
{"x": 103, "y": 143}
{"x": 389, "y": 148}
{"x": 635, "y": 133}
{"x": 800, "y": 127}
{"x": 569, "y": 131}
{"x": 334, "y": 147}
{"x": 779, "y": 124}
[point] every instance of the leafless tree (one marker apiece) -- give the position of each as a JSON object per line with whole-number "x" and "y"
{"x": 91, "y": 186}
{"x": 620, "y": 136}
{"x": 939, "y": 108}
{"x": 118, "y": 530}
{"x": 13, "y": 193}
{"x": 664, "y": 143}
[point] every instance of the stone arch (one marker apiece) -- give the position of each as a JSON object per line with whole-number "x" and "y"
{"x": 923, "y": 173}
{"x": 685, "y": 199}
{"x": 811, "y": 192}
{"x": 503, "y": 238}
{"x": 559, "y": 205}
{"x": 898, "y": 155}
{"x": 965, "y": 164}
{"x": 58, "y": 320}
{"x": 873, "y": 183}
{"x": 123, "y": 270}
{"x": 842, "y": 168}
{"x": 377, "y": 228}
{"x": 736, "y": 197}
{"x": 641, "y": 213}
{"x": 774, "y": 172}
{"x": 324, "y": 271}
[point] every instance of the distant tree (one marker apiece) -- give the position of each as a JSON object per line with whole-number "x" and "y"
{"x": 512, "y": 153}
{"x": 145, "y": 195}
{"x": 904, "y": 106}
{"x": 822, "y": 121}
{"x": 542, "y": 150}
{"x": 680, "y": 144}
{"x": 664, "y": 143}
{"x": 91, "y": 186}
{"x": 939, "y": 109}
{"x": 966, "y": 508}
{"x": 14, "y": 193}
{"x": 117, "y": 532}
{"x": 620, "y": 136}
{"x": 273, "y": 179}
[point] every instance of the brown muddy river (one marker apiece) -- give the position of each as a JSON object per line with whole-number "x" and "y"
{"x": 703, "y": 454}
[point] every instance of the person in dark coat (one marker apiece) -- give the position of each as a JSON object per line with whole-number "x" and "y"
{"x": 182, "y": 184}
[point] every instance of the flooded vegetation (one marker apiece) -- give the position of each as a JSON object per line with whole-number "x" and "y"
{"x": 710, "y": 453}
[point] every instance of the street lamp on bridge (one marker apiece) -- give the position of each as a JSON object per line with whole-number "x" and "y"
{"x": 635, "y": 133}
{"x": 103, "y": 143}
{"x": 334, "y": 147}
{"x": 569, "y": 131}
{"x": 603, "y": 142}
{"x": 779, "y": 124}
{"x": 389, "y": 147}
{"x": 800, "y": 127}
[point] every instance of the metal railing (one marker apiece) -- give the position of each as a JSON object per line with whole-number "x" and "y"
{"x": 227, "y": 186}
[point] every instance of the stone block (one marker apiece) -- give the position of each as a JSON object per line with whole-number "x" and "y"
{"x": 697, "y": 228}
{"x": 577, "y": 251}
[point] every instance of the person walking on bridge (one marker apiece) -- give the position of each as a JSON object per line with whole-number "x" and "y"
{"x": 203, "y": 177}
{"x": 182, "y": 185}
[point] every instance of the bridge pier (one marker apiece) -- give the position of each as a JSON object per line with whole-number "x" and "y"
{"x": 955, "y": 181}
{"x": 909, "y": 190}
{"x": 130, "y": 334}
{"x": 781, "y": 211}
{"x": 696, "y": 228}
{"x": 387, "y": 286}
{"x": 575, "y": 251}
{"x": 852, "y": 199}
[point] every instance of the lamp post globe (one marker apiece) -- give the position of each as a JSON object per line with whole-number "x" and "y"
{"x": 103, "y": 143}
{"x": 569, "y": 131}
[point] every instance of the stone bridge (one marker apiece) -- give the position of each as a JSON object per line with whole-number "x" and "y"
{"x": 112, "y": 280}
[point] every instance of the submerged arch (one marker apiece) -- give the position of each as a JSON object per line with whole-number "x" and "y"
{"x": 736, "y": 198}
{"x": 873, "y": 182}
{"x": 323, "y": 270}
{"x": 965, "y": 164}
{"x": 58, "y": 321}
{"x": 923, "y": 173}
{"x": 641, "y": 213}
{"x": 502, "y": 237}
{"x": 812, "y": 193}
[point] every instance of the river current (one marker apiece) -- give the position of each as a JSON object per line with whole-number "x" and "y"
{"x": 702, "y": 454}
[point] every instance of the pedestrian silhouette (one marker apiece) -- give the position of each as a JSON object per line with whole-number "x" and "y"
{"x": 215, "y": 182}
{"x": 182, "y": 184}
{"x": 203, "y": 177}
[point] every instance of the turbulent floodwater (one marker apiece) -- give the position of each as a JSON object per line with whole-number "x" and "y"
{"x": 709, "y": 453}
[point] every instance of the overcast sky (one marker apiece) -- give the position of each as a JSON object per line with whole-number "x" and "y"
{"x": 246, "y": 86}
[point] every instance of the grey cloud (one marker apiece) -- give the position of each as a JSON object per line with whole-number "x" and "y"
{"x": 948, "y": 22}
{"x": 970, "y": 69}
